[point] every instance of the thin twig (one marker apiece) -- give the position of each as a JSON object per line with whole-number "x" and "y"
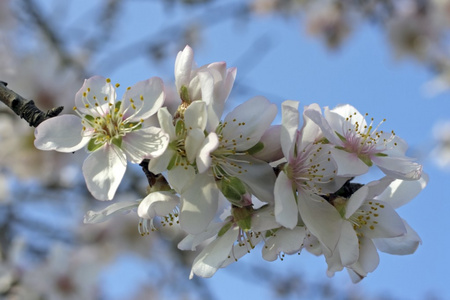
{"x": 26, "y": 109}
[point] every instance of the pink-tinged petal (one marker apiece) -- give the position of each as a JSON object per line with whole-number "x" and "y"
{"x": 62, "y": 133}
{"x": 327, "y": 130}
{"x": 348, "y": 245}
{"x": 143, "y": 99}
{"x": 166, "y": 122}
{"x": 402, "y": 245}
{"x": 355, "y": 201}
{"x": 204, "y": 160}
{"x": 183, "y": 67}
{"x": 109, "y": 211}
{"x": 193, "y": 143}
{"x": 181, "y": 178}
{"x": 284, "y": 241}
{"x": 95, "y": 90}
{"x": 289, "y": 126}
{"x": 321, "y": 218}
{"x": 199, "y": 204}
{"x": 256, "y": 174}
{"x": 157, "y": 204}
{"x": 195, "y": 116}
{"x": 212, "y": 256}
{"x": 348, "y": 164}
{"x": 286, "y": 212}
{"x": 272, "y": 146}
{"x": 244, "y": 126}
{"x": 191, "y": 241}
{"x": 400, "y": 192}
{"x": 382, "y": 221}
{"x": 103, "y": 171}
{"x": 147, "y": 142}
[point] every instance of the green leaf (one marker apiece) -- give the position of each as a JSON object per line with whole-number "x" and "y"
{"x": 255, "y": 149}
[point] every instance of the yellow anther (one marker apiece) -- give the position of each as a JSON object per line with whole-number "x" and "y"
{"x": 86, "y": 105}
{"x": 141, "y": 97}
{"x": 74, "y": 108}
{"x": 108, "y": 80}
{"x": 117, "y": 85}
{"x": 84, "y": 94}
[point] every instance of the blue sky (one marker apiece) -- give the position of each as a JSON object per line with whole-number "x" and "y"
{"x": 287, "y": 64}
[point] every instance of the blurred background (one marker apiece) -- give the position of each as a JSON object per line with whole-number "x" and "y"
{"x": 390, "y": 59}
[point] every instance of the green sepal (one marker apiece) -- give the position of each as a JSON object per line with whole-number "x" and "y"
{"x": 89, "y": 118}
{"x": 340, "y": 136}
{"x": 233, "y": 189}
{"x": 324, "y": 140}
{"x": 172, "y": 162}
{"x": 117, "y": 141}
{"x": 180, "y": 128}
{"x": 118, "y": 104}
{"x": 366, "y": 160}
{"x": 92, "y": 145}
{"x": 381, "y": 154}
{"x": 255, "y": 149}
{"x": 224, "y": 229}
{"x": 184, "y": 94}
{"x": 243, "y": 217}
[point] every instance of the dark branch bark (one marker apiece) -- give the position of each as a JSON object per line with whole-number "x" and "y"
{"x": 26, "y": 109}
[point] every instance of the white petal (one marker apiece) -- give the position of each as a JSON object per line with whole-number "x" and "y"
{"x": 204, "y": 160}
{"x": 401, "y": 192}
{"x": 286, "y": 211}
{"x": 289, "y": 126}
{"x": 257, "y": 175}
{"x": 212, "y": 256}
{"x": 398, "y": 167}
{"x": 310, "y": 131}
{"x": 402, "y": 245}
{"x": 109, "y": 211}
{"x": 348, "y": 164}
{"x": 199, "y": 204}
{"x": 284, "y": 241}
{"x": 327, "y": 130}
{"x": 183, "y": 66}
{"x": 147, "y": 142}
{"x": 244, "y": 126}
{"x": 321, "y": 218}
{"x": 368, "y": 256}
{"x": 181, "y": 178}
{"x": 355, "y": 201}
{"x": 147, "y": 97}
{"x": 95, "y": 90}
{"x": 103, "y": 171}
{"x": 272, "y": 145}
{"x": 166, "y": 122}
{"x": 195, "y": 116}
{"x": 61, "y": 133}
{"x": 191, "y": 241}
{"x": 159, "y": 164}
{"x": 193, "y": 143}
{"x": 157, "y": 204}
{"x": 264, "y": 219}
{"x": 382, "y": 220}
{"x": 348, "y": 245}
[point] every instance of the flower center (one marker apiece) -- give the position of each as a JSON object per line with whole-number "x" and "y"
{"x": 364, "y": 140}
{"x": 366, "y": 217}
{"x": 311, "y": 167}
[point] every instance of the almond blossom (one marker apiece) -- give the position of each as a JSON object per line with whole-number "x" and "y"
{"x": 112, "y": 131}
{"x": 358, "y": 144}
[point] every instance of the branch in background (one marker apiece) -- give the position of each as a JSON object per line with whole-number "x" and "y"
{"x": 26, "y": 109}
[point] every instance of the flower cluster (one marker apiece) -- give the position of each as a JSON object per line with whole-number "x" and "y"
{"x": 236, "y": 181}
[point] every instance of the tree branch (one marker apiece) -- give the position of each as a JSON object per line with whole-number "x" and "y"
{"x": 26, "y": 109}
